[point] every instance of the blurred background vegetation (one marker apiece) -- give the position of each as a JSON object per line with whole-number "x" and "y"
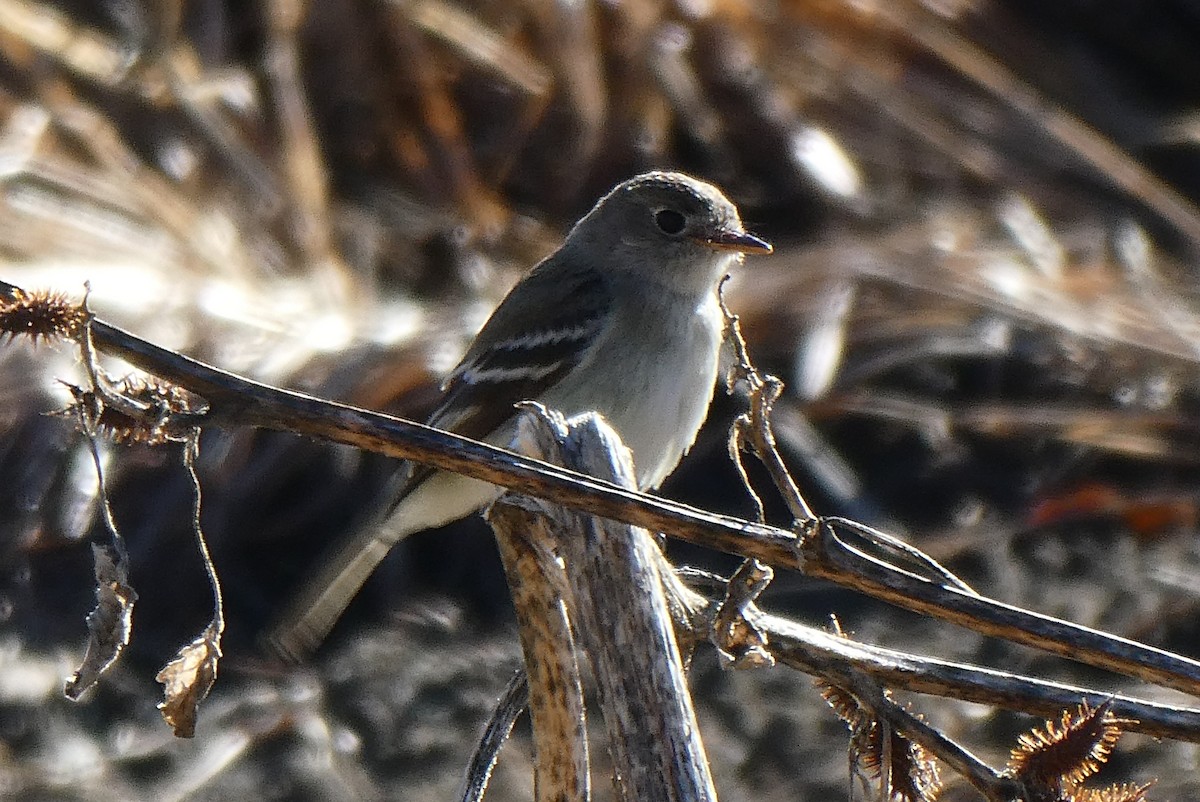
{"x": 983, "y": 300}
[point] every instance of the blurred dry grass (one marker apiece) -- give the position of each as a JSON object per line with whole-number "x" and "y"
{"x": 983, "y": 300}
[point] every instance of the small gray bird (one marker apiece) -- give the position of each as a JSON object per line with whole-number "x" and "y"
{"x": 623, "y": 319}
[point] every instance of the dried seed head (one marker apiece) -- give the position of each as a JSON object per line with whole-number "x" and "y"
{"x": 1069, "y": 750}
{"x": 1125, "y": 792}
{"x": 913, "y": 772}
{"x": 146, "y": 416}
{"x": 40, "y": 315}
{"x": 844, "y": 705}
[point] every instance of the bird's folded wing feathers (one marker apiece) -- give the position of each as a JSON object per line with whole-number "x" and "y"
{"x": 519, "y": 353}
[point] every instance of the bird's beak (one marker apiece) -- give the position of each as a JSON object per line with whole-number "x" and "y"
{"x": 740, "y": 241}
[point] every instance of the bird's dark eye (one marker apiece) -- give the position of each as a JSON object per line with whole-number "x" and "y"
{"x": 669, "y": 221}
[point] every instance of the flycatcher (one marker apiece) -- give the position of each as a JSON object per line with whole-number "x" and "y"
{"x": 623, "y": 319}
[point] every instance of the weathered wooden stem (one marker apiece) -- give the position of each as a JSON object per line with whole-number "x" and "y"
{"x": 621, "y": 618}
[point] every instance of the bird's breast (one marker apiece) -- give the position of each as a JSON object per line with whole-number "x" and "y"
{"x": 652, "y": 375}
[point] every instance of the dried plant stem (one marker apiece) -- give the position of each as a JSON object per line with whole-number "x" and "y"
{"x": 510, "y": 705}
{"x": 1095, "y": 149}
{"x": 823, "y": 654}
{"x": 986, "y": 780}
{"x": 555, "y": 692}
{"x": 621, "y": 616}
{"x": 754, "y": 426}
{"x": 830, "y": 557}
{"x": 302, "y": 161}
{"x": 188, "y": 678}
{"x": 821, "y": 552}
{"x": 89, "y": 415}
{"x": 110, "y": 622}
{"x": 191, "y": 450}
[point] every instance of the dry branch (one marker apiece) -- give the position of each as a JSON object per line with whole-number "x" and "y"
{"x": 823, "y": 549}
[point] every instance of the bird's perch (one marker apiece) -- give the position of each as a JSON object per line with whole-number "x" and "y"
{"x": 612, "y": 589}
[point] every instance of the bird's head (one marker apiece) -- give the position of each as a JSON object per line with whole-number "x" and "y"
{"x": 669, "y": 229}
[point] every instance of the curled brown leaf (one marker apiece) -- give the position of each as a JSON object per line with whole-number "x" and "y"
{"x": 108, "y": 623}
{"x": 187, "y": 679}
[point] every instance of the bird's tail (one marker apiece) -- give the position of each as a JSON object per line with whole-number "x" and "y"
{"x": 326, "y": 595}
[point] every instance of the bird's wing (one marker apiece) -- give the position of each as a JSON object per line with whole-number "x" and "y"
{"x": 520, "y": 352}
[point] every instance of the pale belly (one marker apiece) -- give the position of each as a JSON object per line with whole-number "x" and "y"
{"x": 657, "y": 412}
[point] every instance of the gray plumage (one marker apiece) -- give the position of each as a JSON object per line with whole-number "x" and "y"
{"x": 622, "y": 319}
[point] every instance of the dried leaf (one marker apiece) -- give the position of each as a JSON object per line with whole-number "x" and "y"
{"x": 108, "y": 623}
{"x": 187, "y": 680}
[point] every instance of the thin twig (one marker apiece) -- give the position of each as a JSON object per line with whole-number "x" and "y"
{"x": 824, "y": 654}
{"x": 755, "y": 424}
{"x": 483, "y": 760}
{"x": 191, "y": 450}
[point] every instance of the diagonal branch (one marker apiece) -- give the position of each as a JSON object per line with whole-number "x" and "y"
{"x": 237, "y": 401}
